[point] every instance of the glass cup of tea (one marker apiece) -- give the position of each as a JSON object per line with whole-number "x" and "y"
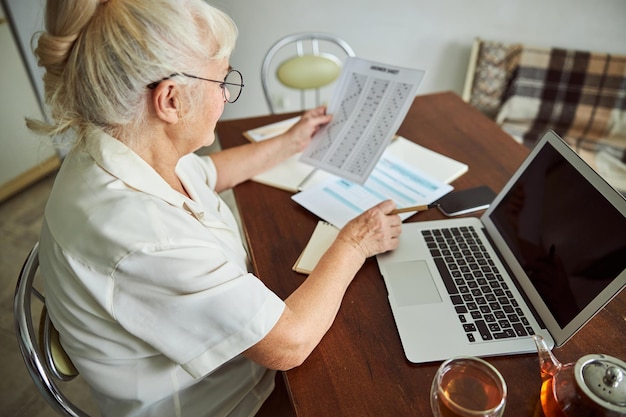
{"x": 467, "y": 387}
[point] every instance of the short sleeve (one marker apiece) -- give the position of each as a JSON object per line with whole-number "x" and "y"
{"x": 202, "y": 164}
{"x": 193, "y": 305}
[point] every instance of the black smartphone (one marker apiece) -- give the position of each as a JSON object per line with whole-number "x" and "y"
{"x": 466, "y": 201}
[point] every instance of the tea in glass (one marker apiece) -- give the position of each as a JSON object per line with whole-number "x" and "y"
{"x": 468, "y": 387}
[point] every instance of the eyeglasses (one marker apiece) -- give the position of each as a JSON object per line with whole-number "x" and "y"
{"x": 231, "y": 86}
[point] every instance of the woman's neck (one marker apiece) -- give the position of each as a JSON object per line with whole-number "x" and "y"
{"x": 161, "y": 154}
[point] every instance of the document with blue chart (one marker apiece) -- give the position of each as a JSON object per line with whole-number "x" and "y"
{"x": 369, "y": 104}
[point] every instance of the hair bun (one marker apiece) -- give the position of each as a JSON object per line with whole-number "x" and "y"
{"x": 54, "y": 50}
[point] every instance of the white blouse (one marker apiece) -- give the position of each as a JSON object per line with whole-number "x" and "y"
{"x": 150, "y": 290}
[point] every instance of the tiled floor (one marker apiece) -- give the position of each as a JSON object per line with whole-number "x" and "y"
{"x": 20, "y": 221}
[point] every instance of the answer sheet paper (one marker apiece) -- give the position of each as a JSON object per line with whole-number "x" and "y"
{"x": 369, "y": 104}
{"x": 337, "y": 201}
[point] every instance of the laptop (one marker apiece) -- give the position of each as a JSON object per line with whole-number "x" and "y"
{"x": 543, "y": 259}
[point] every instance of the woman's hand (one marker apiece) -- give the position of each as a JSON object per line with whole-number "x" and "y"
{"x": 312, "y": 307}
{"x": 240, "y": 163}
{"x": 300, "y": 134}
{"x": 375, "y": 231}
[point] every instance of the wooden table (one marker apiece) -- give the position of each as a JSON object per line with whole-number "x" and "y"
{"x": 359, "y": 368}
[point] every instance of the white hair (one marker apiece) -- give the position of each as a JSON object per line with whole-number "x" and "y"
{"x": 100, "y": 56}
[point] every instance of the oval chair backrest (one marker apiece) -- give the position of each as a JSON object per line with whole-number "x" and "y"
{"x": 308, "y": 68}
{"x": 59, "y": 363}
{"x": 309, "y": 71}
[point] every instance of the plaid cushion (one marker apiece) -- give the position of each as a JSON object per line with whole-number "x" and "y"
{"x": 580, "y": 95}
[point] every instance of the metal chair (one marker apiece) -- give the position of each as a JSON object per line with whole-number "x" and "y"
{"x": 305, "y": 62}
{"x": 42, "y": 352}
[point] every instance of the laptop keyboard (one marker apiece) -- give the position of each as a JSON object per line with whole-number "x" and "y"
{"x": 483, "y": 302}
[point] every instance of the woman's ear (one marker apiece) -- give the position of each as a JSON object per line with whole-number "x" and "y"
{"x": 166, "y": 101}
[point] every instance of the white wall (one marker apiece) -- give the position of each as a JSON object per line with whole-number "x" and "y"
{"x": 23, "y": 155}
{"x": 435, "y": 35}
{"x": 26, "y": 17}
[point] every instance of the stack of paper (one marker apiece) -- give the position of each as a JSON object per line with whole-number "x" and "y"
{"x": 337, "y": 201}
{"x": 353, "y": 163}
{"x": 294, "y": 175}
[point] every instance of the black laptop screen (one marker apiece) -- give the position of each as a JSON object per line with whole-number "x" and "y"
{"x": 568, "y": 238}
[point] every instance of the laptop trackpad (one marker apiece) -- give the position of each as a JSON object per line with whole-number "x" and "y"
{"x": 411, "y": 283}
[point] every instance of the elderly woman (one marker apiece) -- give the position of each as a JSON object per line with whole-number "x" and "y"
{"x": 145, "y": 272}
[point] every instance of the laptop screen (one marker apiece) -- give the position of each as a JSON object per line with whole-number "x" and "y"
{"x": 569, "y": 239}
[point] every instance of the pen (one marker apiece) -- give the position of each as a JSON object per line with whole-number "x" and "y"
{"x": 414, "y": 208}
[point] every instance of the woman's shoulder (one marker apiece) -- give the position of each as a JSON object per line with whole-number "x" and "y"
{"x": 201, "y": 166}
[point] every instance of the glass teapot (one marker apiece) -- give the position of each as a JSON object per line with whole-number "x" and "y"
{"x": 593, "y": 386}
